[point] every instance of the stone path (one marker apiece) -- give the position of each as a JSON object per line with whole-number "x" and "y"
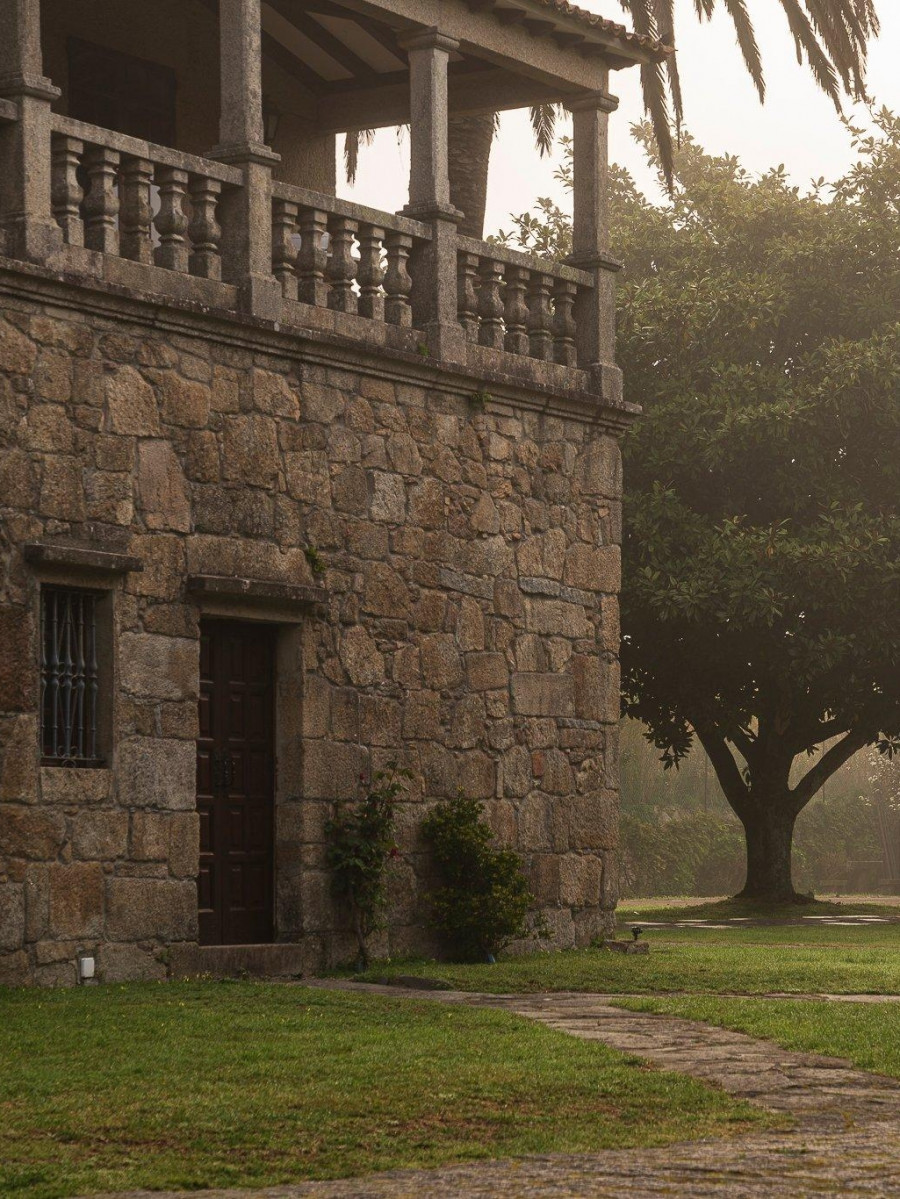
{"x": 845, "y": 1139}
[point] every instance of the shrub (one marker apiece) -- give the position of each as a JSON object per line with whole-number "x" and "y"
{"x": 360, "y": 845}
{"x": 484, "y": 901}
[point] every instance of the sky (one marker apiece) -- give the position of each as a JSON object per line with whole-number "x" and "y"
{"x": 797, "y": 125}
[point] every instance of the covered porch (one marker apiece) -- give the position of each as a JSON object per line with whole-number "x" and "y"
{"x": 188, "y": 150}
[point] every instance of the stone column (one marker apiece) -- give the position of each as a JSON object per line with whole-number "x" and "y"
{"x": 246, "y": 213}
{"x": 595, "y": 310}
{"x": 25, "y": 151}
{"x": 434, "y": 271}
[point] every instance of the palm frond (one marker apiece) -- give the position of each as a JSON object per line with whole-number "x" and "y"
{"x": 353, "y": 140}
{"x": 746, "y": 37}
{"x": 543, "y": 122}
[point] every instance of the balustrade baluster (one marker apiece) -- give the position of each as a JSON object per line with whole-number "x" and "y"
{"x": 341, "y": 271}
{"x": 284, "y": 252}
{"x": 467, "y": 294}
{"x": 516, "y": 315}
{"x": 101, "y": 204}
{"x": 171, "y": 221}
{"x": 312, "y": 261}
{"x": 204, "y": 230}
{"x": 370, "y": 274}
{"x": 564, "y": 296}
{"x": 540, "y": 318}
{"x": 66, "y": 190}
{"x": 490, "y": 304}
{"x": 397, "y": 280}
{"x": 137, "y": 211}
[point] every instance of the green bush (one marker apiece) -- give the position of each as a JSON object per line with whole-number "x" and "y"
{"x": 484, "y": 901}
{"x": 360, "y": 845}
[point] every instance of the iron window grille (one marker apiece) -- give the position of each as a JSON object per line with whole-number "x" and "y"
{"x": 69, "y": 677}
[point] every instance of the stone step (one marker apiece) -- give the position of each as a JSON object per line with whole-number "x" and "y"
{"x": 240, "y": 961}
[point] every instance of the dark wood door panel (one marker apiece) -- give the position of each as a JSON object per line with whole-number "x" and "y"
{"x": 235, "y": 783}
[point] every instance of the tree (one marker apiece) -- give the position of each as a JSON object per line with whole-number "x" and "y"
{"x": 762, "y": 533}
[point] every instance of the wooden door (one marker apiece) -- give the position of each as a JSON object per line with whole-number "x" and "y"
{"x": 236, "y": 783}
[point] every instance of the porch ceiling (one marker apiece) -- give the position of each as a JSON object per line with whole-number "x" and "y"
{"x": 513, "y": 53}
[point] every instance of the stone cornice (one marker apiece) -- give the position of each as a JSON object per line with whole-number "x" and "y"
{"x": 316, "y": 346}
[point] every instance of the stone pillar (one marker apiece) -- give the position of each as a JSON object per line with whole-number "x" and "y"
{"x": 434, "y": 273}
{"x": 595, "y": 310}
{"x": 246, "y": 213}
{"x": 25, "y": 151}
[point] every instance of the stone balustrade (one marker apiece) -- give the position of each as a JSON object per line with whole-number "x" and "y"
{"x": 518, "y": 303}
{"x": 333, "y": 254}
{"x": 131, "y": 199}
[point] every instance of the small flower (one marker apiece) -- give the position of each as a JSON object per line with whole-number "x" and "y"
{"x": 395, "y": 851}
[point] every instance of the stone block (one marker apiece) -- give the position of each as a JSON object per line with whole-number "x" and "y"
{"x": 332, "y": 769}
{"x": 534, "y": 813}
{"x": 159, "y": 667}
{"x": 515, "y": 767}
{"x": 596, "y": 688}
{"x": 183, "y": 402}
{"x": 350, "y": 490}
{"x": 18, "y": 480}
{"x": 76, "y": 899}
{"x": 162, "y": 487}
{"x": 75, "y": 788}
{"x": 467, "y": 722}
{"x": 62, "y": 489}
{"x": 17, "y": 351}
{"x": 594, "y": 568}
{"x": 422, "y": 716}
{"x": 12, "y": 916}
{"x": 441, "y": 663}
{"x": 100, "y": 834}
{"x": 18, "y": 758}
{"x": 477, "y": 775}
{"x": 470, "y": 625}
{"x": 144, "y": 908}
{"x": 487, "y": 671}
{"x": 388, "y": 499}
{"x": 360, "y": 657}
{"x": 15, "y": 969}
{"x": 579, "y": 880}
{"x": 598, "y": 470}
{"x": 543, "y": 694}
{"x": 543, "y": 878}
{"x": 30, "y": 832}
{"x": 157, "y": 772}
{"x": 169, "y": 837}
{"x": 555, "y": 617}
{"x": 131, "y": 404}
{"x": 250, "y": 450}
{"x": 124, "y": 963}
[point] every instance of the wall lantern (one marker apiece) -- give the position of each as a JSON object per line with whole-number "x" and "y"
{"x": 271, "y": 121}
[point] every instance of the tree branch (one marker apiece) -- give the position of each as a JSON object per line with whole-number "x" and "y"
{"x": 727, "y": 772}
{"x": 830, "y": 762}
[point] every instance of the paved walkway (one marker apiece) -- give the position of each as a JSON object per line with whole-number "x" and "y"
{"x": 845, "y": 1140}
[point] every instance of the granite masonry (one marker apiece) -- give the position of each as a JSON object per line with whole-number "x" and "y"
{"x": 398, "y": 454}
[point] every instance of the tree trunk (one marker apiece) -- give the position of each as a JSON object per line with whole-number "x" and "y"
{"x": 470, "y": 156}
{"x": 769, "y": 830}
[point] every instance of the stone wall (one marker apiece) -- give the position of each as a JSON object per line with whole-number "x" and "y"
{"x": 471, "y": 557}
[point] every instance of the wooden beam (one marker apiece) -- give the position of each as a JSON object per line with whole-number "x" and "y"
{"x": 383, "y": 34}
{"x": 470, "y": 93}
{"x": 324, "y": 39}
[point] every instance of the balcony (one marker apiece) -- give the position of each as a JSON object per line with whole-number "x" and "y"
{"x": 241, "y": 230}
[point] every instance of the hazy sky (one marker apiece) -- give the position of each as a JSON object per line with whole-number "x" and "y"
{"x": 796, "y": 126}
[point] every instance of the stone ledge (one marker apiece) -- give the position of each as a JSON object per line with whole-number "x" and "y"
{"x": 261, "y": 590}
{"x": 77, "y": 558}
{"x": 278, "y": 960}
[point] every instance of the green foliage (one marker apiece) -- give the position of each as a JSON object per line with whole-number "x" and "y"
{"x": 758, "y": 330}
{"x": 360, "y": 845}
{"x": 315, "y": 560}
{"x": 484, "y": 901}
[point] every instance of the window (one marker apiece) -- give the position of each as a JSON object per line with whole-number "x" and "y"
{"x": 122, "y": 93}
{"x": 70, "y": 677}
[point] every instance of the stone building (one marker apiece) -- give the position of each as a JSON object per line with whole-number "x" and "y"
{"x": 290, "y": 487}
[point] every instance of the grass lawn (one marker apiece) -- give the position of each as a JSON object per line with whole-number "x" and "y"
{"x": 866, "y": 1033}
{"x": 799, "y": 959}
{"x": 210, "y": 1084}
{"x": 633, "y": 910}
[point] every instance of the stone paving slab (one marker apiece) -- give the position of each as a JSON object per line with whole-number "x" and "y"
{"x": 845, "y": 1139}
